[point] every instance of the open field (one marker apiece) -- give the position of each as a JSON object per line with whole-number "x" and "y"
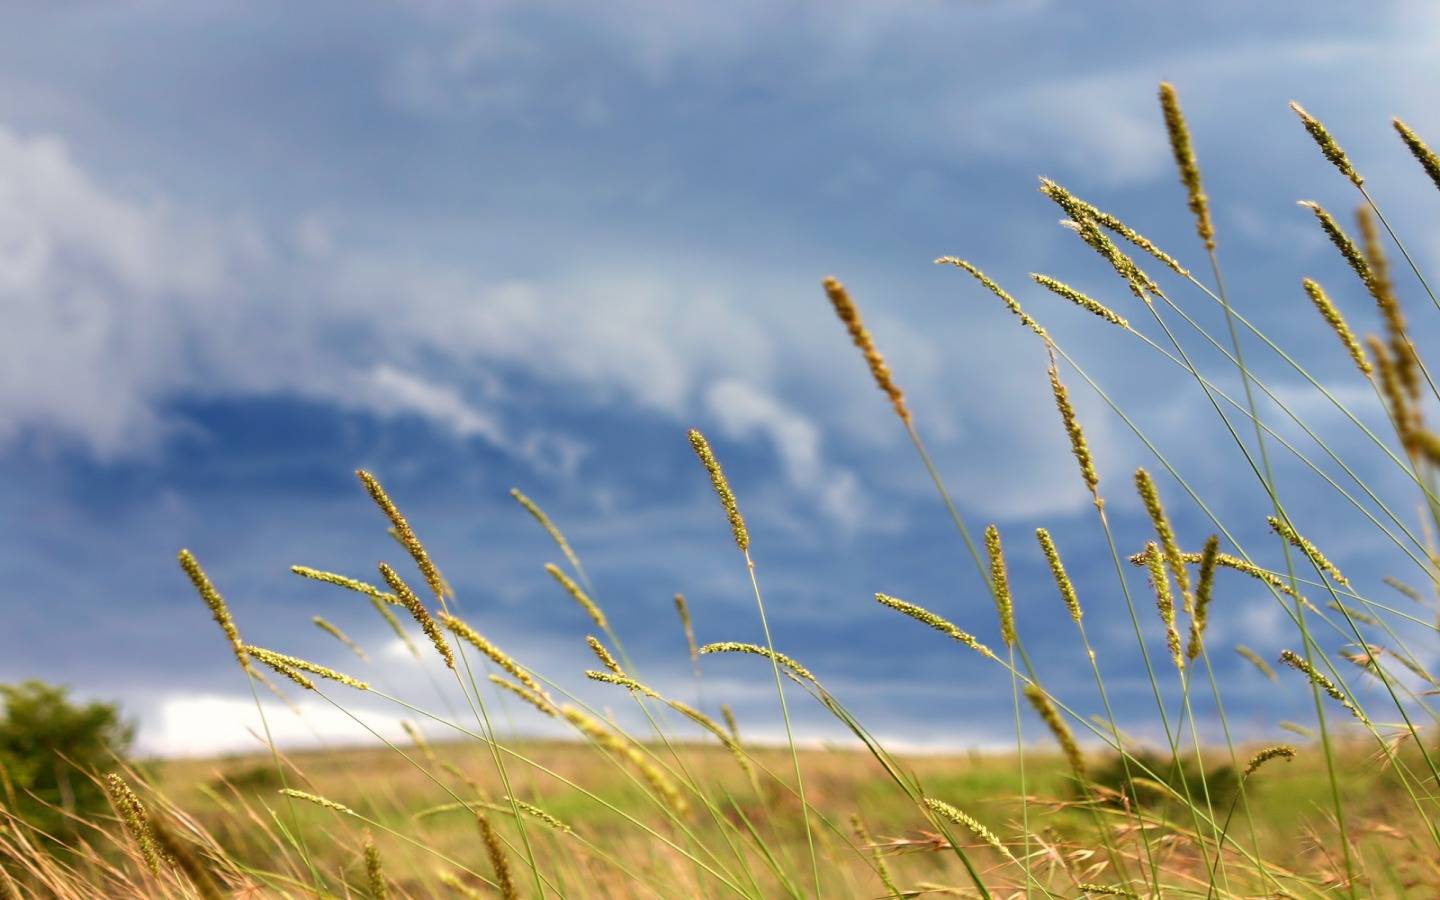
{"x": 674, "y": 801}
{"x": 1288, "y": 804}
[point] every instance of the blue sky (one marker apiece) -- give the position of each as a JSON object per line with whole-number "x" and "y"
{"x": 246, "y": 248}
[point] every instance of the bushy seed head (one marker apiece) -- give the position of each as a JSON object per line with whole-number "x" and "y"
{"x": 1407, "y": 366}
{"x": 602, "y": 654}
{"x": 334, "y": 631}
{"x": 1300, "y": 543}
{"x": 1164, "y": 601}
{"x": 608, "y": 740}
{"x": 946, "y": 811}
{"x": 538, "y": 701}
{"x": 998, "y": 291}
{"x": 135, "y": 819}
{"x": 1000, "y": 585}
{"x": 418, "y": 611}
{"x": 374, "y": 872}
{"x": 1045, "y": 707}
{"x": 1317, "y": 678}
{"x": 1203, "y": 590}
{"x": 1256, "y": 660}
{"x": 318, "y": 800}
{"x": 1280, "y": 751}
{"x": 757, "y": 650}
{"x": 574, "y": 590}
{"x": 346, "y": 582}
{"x": 1150, "y": 495}
{"x": 536, "y": 812}
{"x": 1140, "y": 284}
{"x": 1421, "y": 151}
{"x": 499, "y": 862}
{"x": 1084, "y": 301}
{"x": 1342, "y": 242}
{"x": 1057, "y": 569}
{"x": 1079, "y": 447}
{"x": 944, "y": 626}
{"x": 280, "y": 662}
{"x": 1189, "y": 169}
{"x": 550, "y": 528}
{"x": 404, "y": 533}
{"x": 1337, "y": 323}
{"x": 1327, "y": 144}
{"x": 682, "y": 609}
{"x": 462, "y": 630}
{"x": 849, "y": 314}
{"x": 722, "y": 488}
{"x": 1078, "y": 209}
{"x": 218, "y": 608}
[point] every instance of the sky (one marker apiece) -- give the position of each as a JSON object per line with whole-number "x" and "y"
{"x": 247, "y": 248}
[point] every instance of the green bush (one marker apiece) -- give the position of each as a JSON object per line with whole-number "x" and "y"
{"x": 50, "y": 750}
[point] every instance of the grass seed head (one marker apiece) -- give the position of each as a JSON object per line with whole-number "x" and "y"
{"x": 946, "y": 811}
{"x": 218, "y": 608}
{"x": 1078, "y": 209}
{"x": 136, "y": 820}
{"x": 1318, "y": 678}
{"x": 849, "y": 314}
{"x": 318, "y": 800}
{"x": 1184, "y": 153}
{"x": 682, "y": 609}
{"x": 1165, "y": 533}
{"x": 1000, "y": 584}
{"x": 1057, "y": 569}
{"x": 418, "y": 611}
{"x": 346, "y": 582}
{"x": 998, "y": 291}
{"x": 574, "y": 590}
{"x": 757, "y": 650}
{"x": 1084, "y": 301}
{"x": 1164, "y": 601}
{"x": 462, "y": 630}
{"x": 404, "y": 534}
{"x": 1342, "y": 241}
{"x": 944, "y": 626}
{"x": 722, "y": 488}
{"x": 1327, "y": 144}
{"x": 1331, "y": 313}
{"x": 374, "y": 872}
{"x": 539, "y": 701}
{"x": 550, "y": 528}
{"x": 602, "y": 654}
{"x": 499, "y": 862}
{"x": 1299, "y": 542}
{"x": 1204, "y": 589}
{"x": 1256, "y": 660}
{"x": 1421, "y": 151}
{"x": 1079, "y": 447}
{"x": 1047, "y": 711}
{"x": 334, "y": 631}
{"x": 1280, "y": 751}
{"x": 280, "y": 662}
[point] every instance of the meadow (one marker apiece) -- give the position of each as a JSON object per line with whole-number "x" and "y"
{"x": 1342, "y": 805}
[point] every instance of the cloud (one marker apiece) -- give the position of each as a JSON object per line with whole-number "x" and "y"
{"x": 214, "y": 724}
{"x": 743, "y": 410}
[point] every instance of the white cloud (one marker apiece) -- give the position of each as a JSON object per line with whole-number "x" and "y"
{"x": 743, "y": 410}
{"x": 213, "y": 724}
{"x": 394, "y": 391}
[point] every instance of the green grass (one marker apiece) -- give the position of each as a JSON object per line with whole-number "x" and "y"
{"x": 656, "y": 814}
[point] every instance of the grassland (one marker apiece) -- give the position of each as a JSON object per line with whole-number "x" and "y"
{"x": 1350, "y": 811}
{"x": 1289, "y": 803}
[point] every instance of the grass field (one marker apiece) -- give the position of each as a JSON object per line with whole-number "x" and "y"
{"x": 1289, "y": 804}
{"x": 1349, "y": 809}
